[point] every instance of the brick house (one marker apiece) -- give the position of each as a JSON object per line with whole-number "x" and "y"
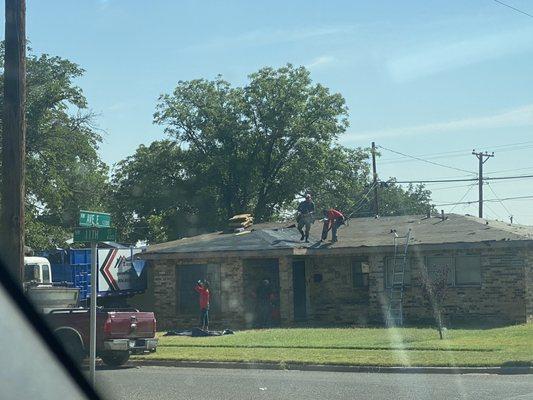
{"x": 345, "y": 283}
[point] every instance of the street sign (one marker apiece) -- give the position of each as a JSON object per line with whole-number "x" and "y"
{"x": 92, "y": 218}
{"x": 95, "y": 234}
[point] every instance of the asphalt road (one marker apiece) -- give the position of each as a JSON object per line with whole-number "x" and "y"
{"x": 151, "y": 383}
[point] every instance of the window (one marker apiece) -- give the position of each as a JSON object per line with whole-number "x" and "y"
{"x": 31, "y": 273}
{"x": 435, "y": 263}
{"x": 462, "y": 270}
{"x": 468, "y": 270}
{"x": 389, "y": 266}
{"x": 46, "y": 274}
{"x": 360, "y": 271}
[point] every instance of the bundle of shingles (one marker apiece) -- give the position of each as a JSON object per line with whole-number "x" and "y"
{"x": 238, "y": 223}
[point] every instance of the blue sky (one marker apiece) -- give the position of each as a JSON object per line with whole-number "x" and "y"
{"x": 423, "y": 78}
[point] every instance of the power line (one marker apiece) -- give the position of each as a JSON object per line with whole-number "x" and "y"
{"x": 501, "y": 202}
{"x": 513, "y": 8}
{"x": 426, "y": 161}
{"x": 462, "y": 153}
{"x": 462, "y": 198}
{"x": 487, "y": 200}
{"x": 493, "y": 178}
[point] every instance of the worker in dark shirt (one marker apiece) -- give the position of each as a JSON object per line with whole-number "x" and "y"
{"x": 332, "y": 220}
{"x": 305, "y": 216}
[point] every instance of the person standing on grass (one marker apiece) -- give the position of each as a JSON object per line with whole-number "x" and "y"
{"x": 202, "y": 288}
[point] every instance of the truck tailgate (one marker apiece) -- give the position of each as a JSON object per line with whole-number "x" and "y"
{"x": 130, "y": 324}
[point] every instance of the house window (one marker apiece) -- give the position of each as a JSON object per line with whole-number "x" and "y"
{"x": 468, "y": 270}
{"x": 360, "y": 271}
{"x": 389, "y": 266}
{"x": 435, "y": 263}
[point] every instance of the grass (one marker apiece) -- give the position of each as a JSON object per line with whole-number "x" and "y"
{"x": 358, "y": 346}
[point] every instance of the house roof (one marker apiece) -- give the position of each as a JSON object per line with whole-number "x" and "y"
{"x": 358, "y": 233}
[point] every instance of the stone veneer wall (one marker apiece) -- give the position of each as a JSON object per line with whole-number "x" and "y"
{"x": 499, "y": 299}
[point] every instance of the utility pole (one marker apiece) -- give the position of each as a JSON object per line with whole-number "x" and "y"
{"x": 483, "y": 157}
{"x": 375, "y": 180}
{"x": 13, "y": 139}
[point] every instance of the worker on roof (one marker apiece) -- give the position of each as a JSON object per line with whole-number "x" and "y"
{"x": 332, "y": 220}
{"x": 304, "y": 216}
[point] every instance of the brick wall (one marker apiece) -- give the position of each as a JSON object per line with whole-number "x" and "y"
{"x": 499, "y": 299}
{"x": 528, "y": 281}
{"x": 333, "y": 299}
{"x": 504, "y": 296}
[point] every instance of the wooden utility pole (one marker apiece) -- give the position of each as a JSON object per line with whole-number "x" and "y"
{"x": 13, "y": 139}
{"x": 375, "y": 180}
{"x": 483, "y": 157}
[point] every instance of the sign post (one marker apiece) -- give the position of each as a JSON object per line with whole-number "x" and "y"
{"x": 92, "y": 334}
{"x": 95, "y": 227}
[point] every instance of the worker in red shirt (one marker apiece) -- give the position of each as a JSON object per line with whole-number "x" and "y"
{"x": 202, "y": 288}
{"x": 332, "y": 220}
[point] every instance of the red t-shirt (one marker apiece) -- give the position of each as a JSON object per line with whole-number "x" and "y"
{"x": 204, "y": 296}
{"x": 334, "y": 214}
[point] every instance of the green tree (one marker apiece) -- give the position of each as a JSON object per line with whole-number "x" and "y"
{"x": 63, "y": 170}
{"x": 253, "y": 149}
{"x": 252, "y": 145}
{"x": 154, "y": 196}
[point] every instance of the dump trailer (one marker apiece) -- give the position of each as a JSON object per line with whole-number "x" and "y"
{"x": 120, "y": 274}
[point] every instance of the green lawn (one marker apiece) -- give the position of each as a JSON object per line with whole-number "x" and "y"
{"x": 359, "y": 346}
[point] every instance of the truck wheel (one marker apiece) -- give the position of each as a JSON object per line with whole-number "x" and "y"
{"x": 72, "y": 346}
{"x": 115, "y": 358}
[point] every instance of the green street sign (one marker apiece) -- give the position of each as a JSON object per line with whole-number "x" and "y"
{"x": 95, "y": 234}
{"x": 92, "y": 218}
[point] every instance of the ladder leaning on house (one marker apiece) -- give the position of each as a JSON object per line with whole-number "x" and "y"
{"x": 395, "y": 306}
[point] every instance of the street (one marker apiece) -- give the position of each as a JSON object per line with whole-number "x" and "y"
{"x": 154, "y": 383}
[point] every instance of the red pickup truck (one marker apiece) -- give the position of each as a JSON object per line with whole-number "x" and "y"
{"x": 119, "y": 333}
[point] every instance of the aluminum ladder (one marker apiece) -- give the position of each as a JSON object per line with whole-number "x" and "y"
{"x": 395, "y": 306}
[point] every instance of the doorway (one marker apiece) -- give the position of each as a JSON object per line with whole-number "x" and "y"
{"x": 299, "y": 290}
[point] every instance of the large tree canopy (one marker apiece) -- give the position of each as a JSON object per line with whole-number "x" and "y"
{"x": 256, "y": 149}
{"x": 63, "y": 169}
{"x": 258, "y": 145}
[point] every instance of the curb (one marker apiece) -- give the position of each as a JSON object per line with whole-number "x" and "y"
{"x": 335, "y": 368}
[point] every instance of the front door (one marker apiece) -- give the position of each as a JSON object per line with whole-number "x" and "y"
{"x": 298, "y": 284}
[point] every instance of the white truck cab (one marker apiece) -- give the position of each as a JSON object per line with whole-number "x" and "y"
{"x": 37, "y": 270}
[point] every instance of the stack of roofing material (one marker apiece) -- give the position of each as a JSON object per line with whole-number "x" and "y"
{"x": 241, "y": 221}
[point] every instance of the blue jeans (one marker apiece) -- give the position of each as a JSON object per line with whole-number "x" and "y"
{"x": 204, "y": 317}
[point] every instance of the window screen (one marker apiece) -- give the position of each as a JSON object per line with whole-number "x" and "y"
{"x": 389, "y": 266}
{"x": 468, "y": 270}
{"x": 435, "y": 263}
{"x": 360, "y": 271}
